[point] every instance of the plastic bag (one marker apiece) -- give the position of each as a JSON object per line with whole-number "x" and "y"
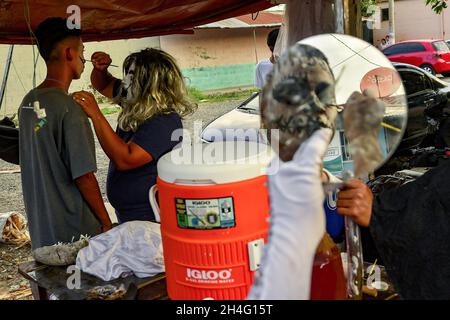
{"x": 13, "y": 228}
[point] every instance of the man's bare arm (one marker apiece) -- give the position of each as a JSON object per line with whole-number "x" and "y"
{"x": 88, "y": 186}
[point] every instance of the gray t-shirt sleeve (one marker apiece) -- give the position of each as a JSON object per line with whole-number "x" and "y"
{"x": 79, "y": 142}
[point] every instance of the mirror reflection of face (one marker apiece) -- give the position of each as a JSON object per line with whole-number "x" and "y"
{"x": 360, "y": 67}
{"x": 129, "y": 94}
{"x": 298, "y": 98}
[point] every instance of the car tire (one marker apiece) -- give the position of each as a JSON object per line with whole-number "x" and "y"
{"x": 428, "y": 68}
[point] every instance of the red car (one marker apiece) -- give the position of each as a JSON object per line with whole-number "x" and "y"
{"x": 430, "y": 55}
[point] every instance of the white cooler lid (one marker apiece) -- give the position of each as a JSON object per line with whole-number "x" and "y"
{"x": 215, "y": 163}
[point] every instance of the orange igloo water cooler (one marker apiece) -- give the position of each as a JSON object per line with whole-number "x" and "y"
{"x": 214, "y": 209}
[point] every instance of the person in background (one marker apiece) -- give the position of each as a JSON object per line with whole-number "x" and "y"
{"x": 265, "y": 66}
{"x": 388, "y": 40}
{"x": 57, "y": 151}
{"x": 154, "y": 99}
{"x": 382, "y": 44}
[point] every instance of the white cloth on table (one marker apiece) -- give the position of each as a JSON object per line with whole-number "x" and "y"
{"x": 132, "y": 247}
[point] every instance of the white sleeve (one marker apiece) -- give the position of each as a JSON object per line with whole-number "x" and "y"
{"x": 297, "y": 224}
{"x": 259, "y": 83}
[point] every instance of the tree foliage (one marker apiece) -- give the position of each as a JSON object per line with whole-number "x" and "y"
{"x": 437, "y": 5}
{"x": 365, "y": 5}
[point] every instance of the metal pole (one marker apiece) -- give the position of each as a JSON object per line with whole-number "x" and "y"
{"x": 6, "y": 74}
{"x": 392, "y": 21}
{"x": 254, "y": 44}
{"x": 339, "y": 16}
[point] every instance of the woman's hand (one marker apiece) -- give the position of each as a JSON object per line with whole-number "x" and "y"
{"x": 125, "y": 156}
{"x": 87, "y": 102}
{"x": 101, "y": 60}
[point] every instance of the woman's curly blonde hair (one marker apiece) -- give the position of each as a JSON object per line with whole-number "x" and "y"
{"x": 158, "y": 88}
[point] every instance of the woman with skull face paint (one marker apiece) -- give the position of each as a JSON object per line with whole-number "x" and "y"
{"x": 153, "y": 98}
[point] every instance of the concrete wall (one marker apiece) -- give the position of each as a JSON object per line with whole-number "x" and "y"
{"x": 20, "y": 80}
{"x": 415, "y": 20}
{"x": 219, "y": 58}
{"x": 214, "y": 47}
{"x": 211, "y": 59}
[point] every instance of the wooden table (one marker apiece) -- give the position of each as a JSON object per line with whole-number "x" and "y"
{"x": 49, "y": 282}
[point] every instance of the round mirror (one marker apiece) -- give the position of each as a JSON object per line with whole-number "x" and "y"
{"x": 360, "y": 67}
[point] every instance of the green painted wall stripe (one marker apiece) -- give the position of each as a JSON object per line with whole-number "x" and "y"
{"x": 220, "y": 77}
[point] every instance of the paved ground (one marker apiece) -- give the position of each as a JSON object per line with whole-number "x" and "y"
{"x": 11, "y": 197}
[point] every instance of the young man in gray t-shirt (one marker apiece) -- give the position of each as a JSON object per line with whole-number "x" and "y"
{"x": 57, "y": 152}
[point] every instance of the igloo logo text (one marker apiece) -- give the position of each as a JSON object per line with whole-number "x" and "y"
{"x": 208, "y": 275}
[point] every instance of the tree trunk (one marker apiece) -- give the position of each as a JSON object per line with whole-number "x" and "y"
{"x": 353, "y": 18}
{"x": 306, "y": 18}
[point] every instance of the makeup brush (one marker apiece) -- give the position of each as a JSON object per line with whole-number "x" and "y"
{"x": 111, "y": 65}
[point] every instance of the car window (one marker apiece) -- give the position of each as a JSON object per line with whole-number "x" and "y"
{"x": 415, "y": 82}
{"x": 405, "y": 48}
{"x": 415, "y": 47}
{"x": 395, "y": 49}
{"x": 441, "y": 46}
